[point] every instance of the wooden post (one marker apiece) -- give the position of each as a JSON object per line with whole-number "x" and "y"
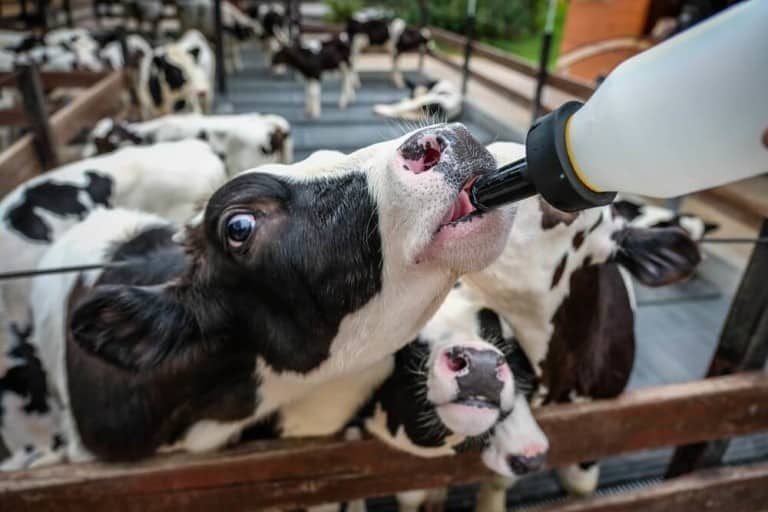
{"x": 130, "y": 64}
{"x": 68, "y": 13}
{"x": 743, "y": 346}
{"x": 546, "y": 44}
{"x": 470, "y": 33}
{"x": 31, "y": 88}
{"x": 42, "y": 12}
{"x": 221, "y": 74}
{"x": 424, "y": 22}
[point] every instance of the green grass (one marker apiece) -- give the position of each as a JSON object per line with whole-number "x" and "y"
{"x": 528, "y": 47}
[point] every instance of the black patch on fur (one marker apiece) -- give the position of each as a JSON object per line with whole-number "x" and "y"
{"x": 376, "y": 29}
{"x": 179, "y": 105}
{"x": 26, "y": 376}
{"x": 489, "y": 325}
{"x": 587, "y": 465}
{"x": 155, "y": 91}
{"x": 174, "y": 76}
{"x": 57, "y": 442}
{"x": 578, "y": 239}
{"x": 559, "y": 271}
{"x": 60, "y": 199}
{"x": 592, "y": 347}
{"x": 411, "y": 39}
{"x": 195, "y": 53}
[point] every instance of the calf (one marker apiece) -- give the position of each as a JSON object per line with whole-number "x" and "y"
{"x": 650, "y": 216}
{"x": 433, "y": 99}
{"x": 291, "y": 277}
{"x": 237, "y": 26}
{"x": 558, "y": 285}
{"x": 395, "y": 35}
{"x": 272, "y": 27}
{"x": 171, "y": 80}
{"x": 169, "y": 179}
{"x": 332, "y": 55}
{"x": 242, "y": 141}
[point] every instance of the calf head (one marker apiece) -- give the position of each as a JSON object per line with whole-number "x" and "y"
{"x": 419, "y": 88}
{"x": 314, "y": 269}
{"x": 109, "y": 135}
{"x": 517, "y": 443}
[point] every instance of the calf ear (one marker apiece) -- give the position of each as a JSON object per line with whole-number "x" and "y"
{"x": 657, "y": 256}
{"x": 132, "y": 328}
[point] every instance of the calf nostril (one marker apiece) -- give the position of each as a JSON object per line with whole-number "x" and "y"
{"x": 456, "y": 360}
{"x": 521, "y": 464}
{"x": 422, "y": 152}
{"x": 431, "y": 156}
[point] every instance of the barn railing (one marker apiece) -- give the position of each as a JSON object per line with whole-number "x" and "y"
{"x": 36, "y": 151}
{"x": 299, "y": 473}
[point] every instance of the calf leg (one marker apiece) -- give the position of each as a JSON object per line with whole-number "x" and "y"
{"x": 397, "y": 76}
{"x": 313, "y": 93}
{"x": 492, "y": 496}
{"x": 580, "y": 479}
{"x": 347, "y": 88}
{"x": 411, "y": 501}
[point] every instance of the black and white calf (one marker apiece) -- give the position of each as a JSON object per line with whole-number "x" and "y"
{"x": 314, "y": 60}
{"x": 561, "y": 285}
{"x": 292, "y": 277}
{"x": 174, "y": 78}
{"x": 170, "y": 179}
{"x": 432, "y": 99}
{"x": 242, "y": 141}
{"x": 645, "y": 215}
{"x": 272, "y": 26}
{"x": 237, "y": 26}
{"x": 394, "y": 35}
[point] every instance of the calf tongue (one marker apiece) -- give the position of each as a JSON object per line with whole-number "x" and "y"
{"x": 462, "y": 207}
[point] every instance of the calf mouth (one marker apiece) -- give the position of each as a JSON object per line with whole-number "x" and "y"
{"x": 462, "y": 210}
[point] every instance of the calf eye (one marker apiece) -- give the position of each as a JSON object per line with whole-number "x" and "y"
{"x": 239, "y": 228}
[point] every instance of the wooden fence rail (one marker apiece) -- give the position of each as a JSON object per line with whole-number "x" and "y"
{"x": 575, "y": 87}
{"x": 305, "y": 472}
{"x": 731, "y": 489}
{"x": 20, "y": 161}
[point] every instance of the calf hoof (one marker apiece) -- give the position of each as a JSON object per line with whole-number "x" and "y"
{"x": 580, "y": 479}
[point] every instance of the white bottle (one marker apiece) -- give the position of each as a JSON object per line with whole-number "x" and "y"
{"x": 688, "y": 114}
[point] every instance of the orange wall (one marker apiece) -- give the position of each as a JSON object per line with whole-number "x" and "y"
{"x": 589, "y": 21}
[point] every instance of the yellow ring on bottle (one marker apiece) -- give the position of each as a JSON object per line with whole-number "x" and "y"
{"x": 576, "y": 169}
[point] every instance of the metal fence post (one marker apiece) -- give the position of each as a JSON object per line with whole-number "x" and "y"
{"x": 546, "y": 45}
{"x": 31, "y": 88}
{"x": 743, "y": 346}
{"x": 470, "y": 34}
{"x": 221, "y": 73}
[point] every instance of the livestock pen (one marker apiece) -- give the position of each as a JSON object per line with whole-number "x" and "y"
{"x": 668, "y": 408}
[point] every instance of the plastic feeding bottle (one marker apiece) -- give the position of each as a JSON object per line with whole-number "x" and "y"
{"x": 688, "y": 114}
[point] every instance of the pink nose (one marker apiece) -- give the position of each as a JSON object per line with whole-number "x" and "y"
{"x": 421, "y": 152}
